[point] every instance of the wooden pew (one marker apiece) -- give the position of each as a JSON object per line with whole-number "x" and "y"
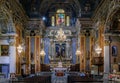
{"x": 74, "y": 79}
{"x": 45, "y": 68}
{"x": 35, "y": 79}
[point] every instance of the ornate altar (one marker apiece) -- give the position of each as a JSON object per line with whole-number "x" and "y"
{"x": 66, "y": 62}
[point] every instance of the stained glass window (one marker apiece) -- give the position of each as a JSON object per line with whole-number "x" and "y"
{"x": 53, "y": 21}
{"x": 68, "y": 21}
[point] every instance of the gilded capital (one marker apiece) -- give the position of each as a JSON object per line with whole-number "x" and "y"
{"x": 106, "y": 42}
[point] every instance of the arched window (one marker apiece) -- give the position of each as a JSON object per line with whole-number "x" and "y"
{"x": 60, "y": 11}
{"x": 68, "y": 21}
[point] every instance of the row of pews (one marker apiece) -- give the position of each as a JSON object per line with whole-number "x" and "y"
{"x": 34, "y": 79}
{"x": 45, "y": 68}
{"x": 75, "y": 68}
{"x": 38, "y": 79}
{"x": 82, "y": 78}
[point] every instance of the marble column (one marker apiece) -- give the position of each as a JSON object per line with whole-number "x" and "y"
{"x": 46, "y": 49}
{"x": 12, "y": 52}
{"x": 52, "y": 49}
{"x": 54, "y": 53}
{"x": 106, "y": 57}
{"x": 74, "y": 50}
{"x": 67, "y": 50}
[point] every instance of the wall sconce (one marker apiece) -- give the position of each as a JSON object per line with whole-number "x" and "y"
{"x": 98, "y": 50}
{"x": 42, "y": 53}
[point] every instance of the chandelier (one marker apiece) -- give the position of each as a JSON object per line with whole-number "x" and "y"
{"x": 60, "y": 36}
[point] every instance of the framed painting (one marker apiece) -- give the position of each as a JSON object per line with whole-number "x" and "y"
{"x": 4, "y": 50}
{"x": 114, "y": 50}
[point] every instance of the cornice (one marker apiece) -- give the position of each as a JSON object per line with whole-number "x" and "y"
{"x": 86, "y": 22}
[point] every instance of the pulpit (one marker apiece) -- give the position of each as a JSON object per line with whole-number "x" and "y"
{"x": 98, "y": 61}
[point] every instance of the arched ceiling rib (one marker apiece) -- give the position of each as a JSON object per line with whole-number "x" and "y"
{"x": 41, "y": 7}
{"x": 46, "y": 5}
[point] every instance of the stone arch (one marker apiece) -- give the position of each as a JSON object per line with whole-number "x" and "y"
{"x": 111, "y": 15}
{"x": 45, "y": 5}
{"x": 6, "y": 14}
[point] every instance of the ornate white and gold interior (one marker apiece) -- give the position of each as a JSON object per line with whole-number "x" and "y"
{"x": 60, "y": 36}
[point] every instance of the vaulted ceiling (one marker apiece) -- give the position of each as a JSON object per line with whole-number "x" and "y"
{"x": 39, "y": 8}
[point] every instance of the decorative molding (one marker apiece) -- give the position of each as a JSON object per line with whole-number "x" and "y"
{"x": 12, "y": 42}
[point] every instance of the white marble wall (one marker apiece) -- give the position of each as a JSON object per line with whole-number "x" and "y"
{"x": 11, "y": 58}
{"x": 4, "y": 59}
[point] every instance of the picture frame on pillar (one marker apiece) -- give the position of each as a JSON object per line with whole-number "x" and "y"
{"x": 114, "y": 50}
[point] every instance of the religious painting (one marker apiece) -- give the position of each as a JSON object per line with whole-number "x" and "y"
{"x": 114, "y": 51}
{"x": 60, "y": 50}
{"x": 4, "y": 50}
{"x": 60, "y": 17}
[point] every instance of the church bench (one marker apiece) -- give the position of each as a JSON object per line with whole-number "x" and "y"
{"x": 77, "y": 79}
{"x": 35, "y": 79}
